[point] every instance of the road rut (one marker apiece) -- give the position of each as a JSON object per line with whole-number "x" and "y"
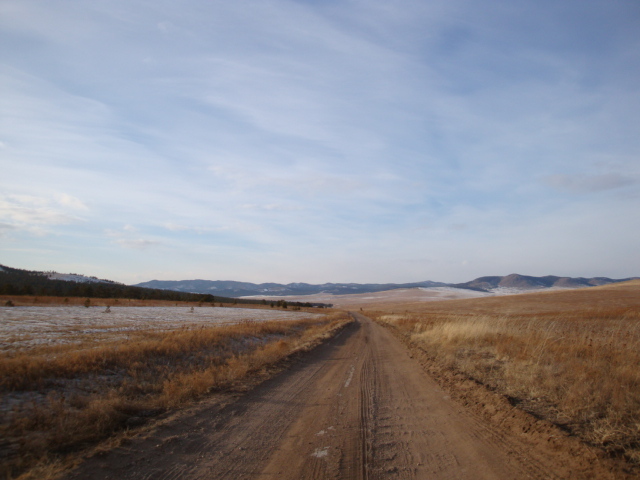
{"x": 358, "y": 407}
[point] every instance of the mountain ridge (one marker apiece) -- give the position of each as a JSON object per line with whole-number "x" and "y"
{"x": 513, "y": 283}
{"x": 486, "y": 284}
{"x": 245, "y": 289}
{"x": 527, "y": 282}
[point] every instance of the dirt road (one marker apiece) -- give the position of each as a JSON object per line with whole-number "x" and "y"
{"x": 358, "y": 407}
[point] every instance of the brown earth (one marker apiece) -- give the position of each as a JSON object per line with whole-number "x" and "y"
{"x": 358, "y": 407}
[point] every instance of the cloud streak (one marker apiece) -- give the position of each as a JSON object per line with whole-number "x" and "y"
{"x": 591, "y": 183}
{"x": 35, "y": 214}
{"x": 130, "y": 238}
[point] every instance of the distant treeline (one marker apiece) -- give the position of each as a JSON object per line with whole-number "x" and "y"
{"x": 14, "y": 281}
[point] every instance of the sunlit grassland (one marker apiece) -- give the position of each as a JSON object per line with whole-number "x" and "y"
{"x": 56, "y": 400}
{"x": 572, "y": 357}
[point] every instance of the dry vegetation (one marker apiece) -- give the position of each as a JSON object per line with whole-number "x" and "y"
{"x": 572, "y": 357}
{"x": 39, "y": 301}
{"x": 58, "y": 400}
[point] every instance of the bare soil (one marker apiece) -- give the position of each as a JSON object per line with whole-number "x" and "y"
{"x": 360, "y": 406}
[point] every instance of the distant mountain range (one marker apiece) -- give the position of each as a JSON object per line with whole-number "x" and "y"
{"x": 513, "y": 283}
{"x": 245, "y": 289}
{"x": 486, "y": 284}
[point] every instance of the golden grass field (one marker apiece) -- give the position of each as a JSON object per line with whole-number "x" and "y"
{"x": 572, "y": 357}
{"x": 60, "y": 399}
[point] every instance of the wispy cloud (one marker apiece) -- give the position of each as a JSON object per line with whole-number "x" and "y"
{"x": 36, "y": 214}
{"x": 591, "y": 183}
{"x": 129, "y": 237}
{"x": 5, "y": 228}
{"x": 136, "y": 243}
{"x": 271, "y": 207}
{"x": 328, "y": 141}
{"x": 71, "y": 202}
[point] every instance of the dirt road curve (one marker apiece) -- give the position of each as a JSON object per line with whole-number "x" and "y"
{"x": 356, "y": 408}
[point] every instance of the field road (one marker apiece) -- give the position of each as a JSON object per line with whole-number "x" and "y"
{"x": 358, "y": 407}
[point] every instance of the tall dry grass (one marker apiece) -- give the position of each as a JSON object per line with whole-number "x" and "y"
{"x": 572, "y": 357}
{"x": 58, "y": 400}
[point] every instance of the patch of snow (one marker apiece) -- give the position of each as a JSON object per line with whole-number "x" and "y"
{"x": 320, "y": 452}
{"x": 72, "y": 277}
{"x": 348, "y": 382}
{"x": 26, "y": 327}
{"x": 517, "y": 291}
{"x": 459, "y": 292}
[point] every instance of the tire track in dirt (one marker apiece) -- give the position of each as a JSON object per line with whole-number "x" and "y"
{"x": 357, "y": 407}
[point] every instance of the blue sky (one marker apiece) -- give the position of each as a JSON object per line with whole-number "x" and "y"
{"x": 364, "y": 141}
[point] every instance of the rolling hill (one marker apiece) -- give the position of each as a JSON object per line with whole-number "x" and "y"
{"x": 525, "y": 282}
{"x": 513, "y": 282}
{"x": 245, "y": 289}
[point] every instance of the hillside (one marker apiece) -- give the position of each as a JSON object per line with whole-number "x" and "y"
{"x": 15, "y": 281}
{"x": 525, "y": 282}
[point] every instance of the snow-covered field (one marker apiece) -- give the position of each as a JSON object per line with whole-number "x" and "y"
{"x": 400, "y": 295}
{"x": 396, "y": 295}
{"x": 26, "y": 327}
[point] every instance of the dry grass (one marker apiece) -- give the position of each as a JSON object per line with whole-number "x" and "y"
{"x": 36, "y": 301}
{"x": 572, "y": 357}
{"x": 62, "y": 399}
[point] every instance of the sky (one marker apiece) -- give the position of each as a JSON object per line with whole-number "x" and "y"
{"x": 320, "y": 141}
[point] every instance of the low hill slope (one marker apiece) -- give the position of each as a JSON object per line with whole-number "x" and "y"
{"x": 526, "y": 282}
